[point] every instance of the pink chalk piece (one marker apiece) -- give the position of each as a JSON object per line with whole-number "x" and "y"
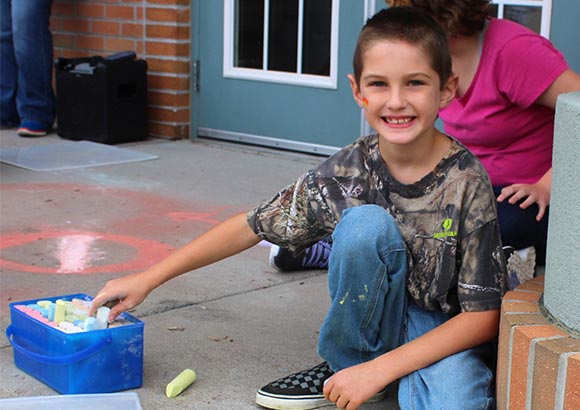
{"x": 52, "y": 324}
{"x": 21, "y": 308}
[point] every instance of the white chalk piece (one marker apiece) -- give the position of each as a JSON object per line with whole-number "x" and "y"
{"x": 103, "y": 317}
{"x": 180, "y": 383}
{"x": 90, "y": 324}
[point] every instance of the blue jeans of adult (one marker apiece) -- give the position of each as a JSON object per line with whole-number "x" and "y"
{"x": 26, "y": 92}
{"x": 520, "y": 229}
{"x": 369, "y": 315}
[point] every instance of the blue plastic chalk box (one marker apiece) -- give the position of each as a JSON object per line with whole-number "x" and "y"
{"x": 95, "y": 361}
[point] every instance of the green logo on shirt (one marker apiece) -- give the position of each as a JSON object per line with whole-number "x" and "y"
{"x": 446, "y": 225}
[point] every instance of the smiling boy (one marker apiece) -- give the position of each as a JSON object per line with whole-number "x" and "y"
{"x": 416, "y": 272}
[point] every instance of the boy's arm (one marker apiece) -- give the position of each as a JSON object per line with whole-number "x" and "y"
{"x": 226, "y": 239}
{"x": 351, "y": 387}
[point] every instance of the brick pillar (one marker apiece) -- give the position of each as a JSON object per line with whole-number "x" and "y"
{"x": 157, "y": 30}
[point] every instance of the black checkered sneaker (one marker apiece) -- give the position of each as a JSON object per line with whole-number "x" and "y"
{"x": 299, "y": 391}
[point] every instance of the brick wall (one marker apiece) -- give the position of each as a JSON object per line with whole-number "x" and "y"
{"x": 538, "y": 363}
{"x": 157, "y": 30}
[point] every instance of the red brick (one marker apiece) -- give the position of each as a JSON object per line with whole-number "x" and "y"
{"x": 172, "y": 32}
{"x": 519, "y": 307}
{"x": 168, "y": 15}
{"x": 120, "y": 12}
{"x": 76, "y": 25}
{"x": 508, "y": 321}
{"x": 522, "y": 340}
{"x": 168, "y": 66}
{"x": 86, "y": 9}
{"x": 90, "y": 42}
{"x": 162, "y": 98}
{"x": 523, "y": 296}
{"x": 546, "y": 370}
{"x": 132, "y": 30}
{"x": 119, "y": 44}
{"x": 532, "y": 285}
{"x": 106, "y": 27}
{"x": 63, "y": 9}
{"x": 168, "y": 114}
{"x": 572, "y": 395}
{"x": 169, "y": 131}
{"x": 167, "y": 49}
{"x": 170, "y": 2}
{"x": 167, "y": 83}
{"x": 63, "y": 40}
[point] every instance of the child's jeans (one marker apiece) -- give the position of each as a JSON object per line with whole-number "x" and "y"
{"x": 369, "y": 316}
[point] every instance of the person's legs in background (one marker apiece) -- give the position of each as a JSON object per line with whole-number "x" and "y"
{"x": 32, "y": 49}
{"x": 526, "y": 237}
{"x": 8, "y": 69}
{"x": 520, "y": 229}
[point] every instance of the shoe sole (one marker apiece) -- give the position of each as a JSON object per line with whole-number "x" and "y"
{"x": 272, "y": 401}
{"x": 275, "y": 402}
{"x": 25, "y": 132}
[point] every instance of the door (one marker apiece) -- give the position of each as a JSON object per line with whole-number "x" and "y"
{"x": 274, "y": 72}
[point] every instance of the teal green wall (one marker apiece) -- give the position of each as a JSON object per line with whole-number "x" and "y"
{"x": 565, "y": 30}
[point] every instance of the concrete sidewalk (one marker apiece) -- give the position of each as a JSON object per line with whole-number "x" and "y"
{"x": 239, "y": 324}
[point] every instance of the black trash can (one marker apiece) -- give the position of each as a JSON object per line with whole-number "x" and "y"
{"x": 102, "y": 99}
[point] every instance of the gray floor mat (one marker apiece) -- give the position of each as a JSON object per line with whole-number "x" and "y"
{"x": 69, "y": 155}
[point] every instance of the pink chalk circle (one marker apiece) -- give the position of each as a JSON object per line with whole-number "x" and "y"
{"x": 147, "y": 252}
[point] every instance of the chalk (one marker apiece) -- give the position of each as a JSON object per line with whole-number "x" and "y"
{"x": 90, "y": 324}
{"x": 44, "y": 303}
{"x": 81, "y": 313}
{"x": 51, "y": 309}
{"x": 103, "y": 317}
{"x": 59, "y": 311}
{"x": 180, "y": 383}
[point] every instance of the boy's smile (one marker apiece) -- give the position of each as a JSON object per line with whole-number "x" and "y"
{"x": 400, "y": 92}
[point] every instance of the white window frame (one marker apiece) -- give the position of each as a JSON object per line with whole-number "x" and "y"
{"x": 545, "y": 5}
{"x": 308, "y": 80}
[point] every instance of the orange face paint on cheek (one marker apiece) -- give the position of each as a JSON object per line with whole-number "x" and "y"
{"x": 365, "y": 103}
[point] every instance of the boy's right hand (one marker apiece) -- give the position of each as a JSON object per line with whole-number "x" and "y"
{"x": 125, "y": 293}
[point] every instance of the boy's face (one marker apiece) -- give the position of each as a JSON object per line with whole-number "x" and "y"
{"x": 400, "y": 92}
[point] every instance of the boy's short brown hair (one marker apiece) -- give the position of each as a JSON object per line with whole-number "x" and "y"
{"x": 411, "y": 25}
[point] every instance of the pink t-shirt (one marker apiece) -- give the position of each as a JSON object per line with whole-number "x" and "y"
{"x": 497, "y": 118}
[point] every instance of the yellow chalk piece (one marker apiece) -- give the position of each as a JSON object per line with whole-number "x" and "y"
{"x": 180, "y": 383}
{"x": 59, "y": 311}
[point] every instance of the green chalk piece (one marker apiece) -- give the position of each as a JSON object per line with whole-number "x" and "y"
{"x": 180, "y": 383}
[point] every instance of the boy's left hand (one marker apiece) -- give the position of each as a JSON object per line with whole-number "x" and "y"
{"x": 351, "y": 387}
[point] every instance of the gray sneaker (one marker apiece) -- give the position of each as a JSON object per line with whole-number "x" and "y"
{"x": 301, "y": 391}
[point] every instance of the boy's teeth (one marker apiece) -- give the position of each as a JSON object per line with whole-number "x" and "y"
{"x": 399, "y": 120}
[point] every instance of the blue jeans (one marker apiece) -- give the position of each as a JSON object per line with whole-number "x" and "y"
{"x": 369, "y": 315}
{"x": 520, "y": 229}
{"x": 26, "y": 92}
{"x": 462, "y": 381}
{"x": 366, "y": 279}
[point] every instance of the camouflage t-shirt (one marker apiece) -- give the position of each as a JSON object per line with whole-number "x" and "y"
{"x": 447, "y": 219}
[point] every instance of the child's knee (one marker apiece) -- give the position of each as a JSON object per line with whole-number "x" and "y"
{"x": 365, "y": 223}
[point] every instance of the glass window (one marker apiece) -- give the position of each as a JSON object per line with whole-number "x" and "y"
{"x": 249, "y": 32}
{"x": 534, "y": 14}
{"x": 287, "y": 41}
